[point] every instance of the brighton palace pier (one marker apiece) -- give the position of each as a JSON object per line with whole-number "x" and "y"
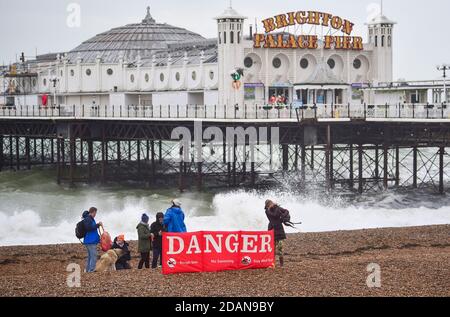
{"x": 105, "y": 111}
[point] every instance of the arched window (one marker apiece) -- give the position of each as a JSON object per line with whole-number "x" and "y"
{"x": 389, "y": 41}
{"x": 376, "y": 41}
{"x": 232, "y": 37}
{"x": 224, "y": 37}
{"x": 382, "y": 41}
{"x": 239, "y": 38}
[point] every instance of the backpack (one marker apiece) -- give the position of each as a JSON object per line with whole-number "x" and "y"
{"x": 284, "y": 215}
{"x": 80, "y": 230}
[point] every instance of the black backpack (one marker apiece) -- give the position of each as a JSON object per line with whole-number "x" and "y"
{"x": 285, "y": 215}
{"x": 80, "y": 230}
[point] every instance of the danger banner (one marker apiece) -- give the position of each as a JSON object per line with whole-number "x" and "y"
{"x": 217, "y": 251}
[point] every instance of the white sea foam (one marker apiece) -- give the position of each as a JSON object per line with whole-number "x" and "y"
{"x": 228, "y": 211}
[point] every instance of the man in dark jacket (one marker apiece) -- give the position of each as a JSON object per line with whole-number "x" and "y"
{"x": 274, "y": 214}
{"x": 157, "y": 228}
{"x": 122, "y": 262}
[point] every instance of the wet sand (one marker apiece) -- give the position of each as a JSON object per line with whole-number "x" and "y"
{"x": 413, "y": 261}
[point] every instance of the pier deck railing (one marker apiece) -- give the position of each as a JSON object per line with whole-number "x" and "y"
{"x": 249, "y": 112}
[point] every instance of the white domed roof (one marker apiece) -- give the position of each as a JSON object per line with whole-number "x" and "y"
{"x": 132, "y": 40}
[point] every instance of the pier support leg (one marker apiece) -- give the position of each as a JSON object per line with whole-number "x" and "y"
{"x": 103, "y": 163}
{"x": 329, "y": 159}
{"x": 119, "y": 154}
{"x": 1, "y": 153}
{"x": 42, "y": 151}
{"x": 138, "y": 159}
{"x": 303, "y": 163}
{"x": 90, "y": 159}
{"x": 360, "y": 169}
{"x": 11, "y": 164}
{"x": 441, "y": 170}
{"x": 52, "y": 151}
{"x": 385, "y": 166}
{"x": 397, "y": 166}
{"x": 234, "y": 165}
{"x": 415, "y": 167}
{"x": 18, "y": 153}
{"x": 351, "y": 168}
{"x": 28, "y": 151}
{"x": 58, "y": 160}
{"x": 377, "y": 163}
{"x": 199, "y": 176}
{"x": 72, "y": 158}
{"x": 152, "y": 144}
{"x": 285, "y": 150}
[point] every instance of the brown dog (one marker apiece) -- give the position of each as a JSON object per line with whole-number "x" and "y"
{"x": 108, "y": 261}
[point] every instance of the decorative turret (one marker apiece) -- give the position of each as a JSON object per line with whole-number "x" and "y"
{"x": 148, "y": 18}
{"x": 231, "y": 55}
{"x": 381, "y": 37}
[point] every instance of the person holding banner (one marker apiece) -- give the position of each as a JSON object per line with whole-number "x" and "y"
{"x": 275, "y": 214}
{"x": 174, "y": 218}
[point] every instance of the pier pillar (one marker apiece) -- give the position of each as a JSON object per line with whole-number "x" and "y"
{"x": 303, "y": 164}
{"x": 199, "y": 176}
{"x": 360, "y": 169}
{"x": 28, "y": 151}
{"x": 119, "y": 154}
{"x": 441, "y": 170}
{"x": 72, "y": 159}
{"x": 253, "y": 174}
{"x": 34, "y": 147}
{"x": 234, "y": 165}
{"x": 351, "y": 168}
{"x": 58, "y": 160}
{"x": 18, "y": 153}
{"x": 397, "y": 165}
{"x": 415, "y": 167}
{"x": 285, "y": 150}
{"x": 1, "y": 153}
{"x": 103, "y": 163}
{"x": 42, "y": 151}
{"x": 81, "y": 152}
{"x": 296, "y": 158}
{"x": 377, "y": 163}
{"x": 52, "y": 151}
{"x": 90, "y": 158}
{"x": 329, "y": 159}
{"x": 385, "y": 166}
{"x": 138, "y": 158}
{"x": 312, "y": 157}
{"x": 11, "y": 162}
{"x": 152, "y": 144}
{"x": 160, "y": 152}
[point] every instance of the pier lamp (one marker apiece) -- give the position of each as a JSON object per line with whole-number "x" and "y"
{"x": 55, "y": 81}
{"x": 444, "y": 68}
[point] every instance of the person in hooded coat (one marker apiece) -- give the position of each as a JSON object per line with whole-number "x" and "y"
{"x": 274, "y": 213}
{"x": 92, "y": 238}
{"x": 174, "y": 218}
{"x": 144, "y": 243}
{"x": 157, "y": 228}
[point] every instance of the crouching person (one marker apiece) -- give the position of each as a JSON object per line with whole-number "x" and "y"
{"x": 123, "y": 262}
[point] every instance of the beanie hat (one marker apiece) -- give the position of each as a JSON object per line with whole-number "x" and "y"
{"x": 145, "y": 218}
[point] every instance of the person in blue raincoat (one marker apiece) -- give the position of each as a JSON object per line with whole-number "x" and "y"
{"x": 92, "y": 238}
{"x": 174, "y": 218}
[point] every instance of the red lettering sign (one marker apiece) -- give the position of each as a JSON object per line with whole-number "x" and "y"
{"x": 217, "y": 251}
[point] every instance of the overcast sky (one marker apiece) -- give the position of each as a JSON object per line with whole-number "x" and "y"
{"x": 421, "y": 41}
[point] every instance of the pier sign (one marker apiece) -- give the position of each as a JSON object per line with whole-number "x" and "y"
{"x": 217, "y": 251}
{"x": 283, "y": 39}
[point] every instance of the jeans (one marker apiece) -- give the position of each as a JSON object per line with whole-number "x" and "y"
{"x": 92, "y": 257}
{"x": 157, "y": 253}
